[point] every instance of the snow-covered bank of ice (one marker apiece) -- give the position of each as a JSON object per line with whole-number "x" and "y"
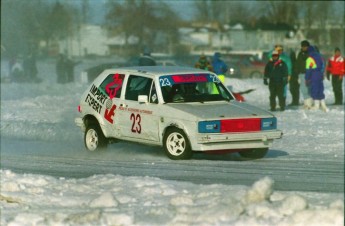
{"x": 117, "y": 200}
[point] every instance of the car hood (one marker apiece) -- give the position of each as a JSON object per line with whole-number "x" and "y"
{"x": 221, "y": 110}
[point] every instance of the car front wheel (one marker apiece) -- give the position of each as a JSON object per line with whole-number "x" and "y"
{"x": 176, "y": 144}
{"x": 94, "y": 138}
{"x": 256, "y": 153}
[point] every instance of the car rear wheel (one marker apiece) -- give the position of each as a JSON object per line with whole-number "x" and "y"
{"x": 94, "y": 138}
{"x": 256, "y": 74}
{"x": 256, "y": 153}
{"x": 176, "y": 144}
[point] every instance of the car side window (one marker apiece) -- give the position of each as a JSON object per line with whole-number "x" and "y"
{"x": 112, "y": 85}
{"x": 137, "y": 85}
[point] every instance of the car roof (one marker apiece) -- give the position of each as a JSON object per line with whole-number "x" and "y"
{"x": 159, "y": 70}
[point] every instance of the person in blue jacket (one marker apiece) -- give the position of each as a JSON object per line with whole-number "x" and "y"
{"x": 219, "y": 67}
{"x": 314, "y": 78}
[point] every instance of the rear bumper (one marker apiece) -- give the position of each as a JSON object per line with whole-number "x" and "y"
{"x": 211, "y": 142}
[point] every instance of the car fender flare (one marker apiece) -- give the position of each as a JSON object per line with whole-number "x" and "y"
{"x": 91, "y": 118}
{"x": 176, "y": 125}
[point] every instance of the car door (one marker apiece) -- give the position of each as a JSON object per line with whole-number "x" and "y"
{"x": 139, "y": 120}
{"x": 111, "y": 88}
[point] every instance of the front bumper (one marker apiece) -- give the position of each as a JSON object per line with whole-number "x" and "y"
{"x": 80, "y": 123}
{"x": 228, "y": 141}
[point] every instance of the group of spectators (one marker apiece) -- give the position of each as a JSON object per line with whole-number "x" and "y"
{"x": 23, "y": 69}
{"x": 304, "y": 74}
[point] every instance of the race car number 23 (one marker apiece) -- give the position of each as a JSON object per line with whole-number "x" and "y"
{"x": 136, "y": 120}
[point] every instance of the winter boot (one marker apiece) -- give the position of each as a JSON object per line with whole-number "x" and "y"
{"x": 323, "y": 106}
{"x": 316, "y": 105}
{"x": 308, "y": 103}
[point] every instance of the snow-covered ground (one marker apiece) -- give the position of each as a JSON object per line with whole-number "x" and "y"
{"x": 46, "y": 112}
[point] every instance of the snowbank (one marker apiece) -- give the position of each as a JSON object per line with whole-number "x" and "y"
{"x": 117, "y": 200}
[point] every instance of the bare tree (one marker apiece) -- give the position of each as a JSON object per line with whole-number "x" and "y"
{"x": 21, "y": 27}
{"x": 281, "y": 11}
{"x": 210, "y": 11}
{"x": 224, "y": 11}
{"x": 85, "y": 11}
{"x": 140, "y": 18}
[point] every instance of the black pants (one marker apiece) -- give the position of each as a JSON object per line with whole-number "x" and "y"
{"x": 337, "y": 89}
{"x": 277, "y": 90}
{"x": 294, "y": 90}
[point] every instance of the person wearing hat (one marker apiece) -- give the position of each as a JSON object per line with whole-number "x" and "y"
{"x": 203, "y": 63}
{"x": 276, "y": 72}
{"x": 287, "y": 60}
{"x": 299, "y": 69}
{"x": 336, "y": 68}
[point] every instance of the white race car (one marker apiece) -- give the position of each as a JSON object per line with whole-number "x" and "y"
{"x": 180, "y": 108}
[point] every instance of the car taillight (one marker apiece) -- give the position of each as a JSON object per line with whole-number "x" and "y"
{"x": 240, "y": 125}
{"x": 79, "y": 108}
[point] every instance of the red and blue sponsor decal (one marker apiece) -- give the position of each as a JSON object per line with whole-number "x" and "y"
{"x": 170, "y": 80}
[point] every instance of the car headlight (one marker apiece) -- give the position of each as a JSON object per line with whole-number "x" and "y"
{"x": 237, "y": 125}
{"x": 269, "y": 123}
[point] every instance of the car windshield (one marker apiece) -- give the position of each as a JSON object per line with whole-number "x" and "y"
{"x": 193, "y": 88}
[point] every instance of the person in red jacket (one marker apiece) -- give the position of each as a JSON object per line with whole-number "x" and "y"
{"x": 336, "y": 68}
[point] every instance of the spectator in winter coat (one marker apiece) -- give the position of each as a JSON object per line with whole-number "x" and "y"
{"x": 277, "y": 73}
{"x": 219, "y": 67}
{"x": 287, "y": 60}
{"x": 293, "y": 81}
{"x": 61, "y": 69}
{"x": 17, "y": 71}
{"x": 336, "y": 68}
{"x": 30, "y": 68}
{"x": 314, "y": 78}
{"x": 204, "y": 64}
{"x": 299, "y": 70}
{"x": 69, "y": 69}
{"x": 146, "y": 59}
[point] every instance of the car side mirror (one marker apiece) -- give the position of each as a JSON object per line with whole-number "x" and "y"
{"x": 142, "y": 99}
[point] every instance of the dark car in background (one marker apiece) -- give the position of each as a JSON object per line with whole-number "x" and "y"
{"x": 91, "y": 73}
{"x": 249, "y": 66}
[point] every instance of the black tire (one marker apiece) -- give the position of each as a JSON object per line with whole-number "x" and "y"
{"x": 94, "y": 138}
{"x": 256, "y": 153}
{"x": 176, "y": 144}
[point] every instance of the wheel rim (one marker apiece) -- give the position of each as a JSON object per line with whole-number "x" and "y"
{"x": 91, "y": 139}
{"x": 176, "y": 144}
